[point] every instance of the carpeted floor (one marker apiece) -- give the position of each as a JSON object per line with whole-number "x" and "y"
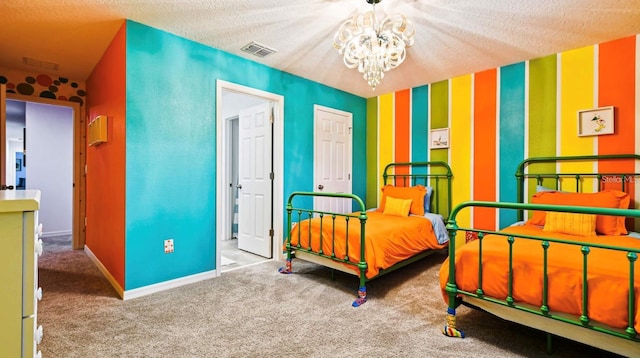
{"x": 257, "y": 312}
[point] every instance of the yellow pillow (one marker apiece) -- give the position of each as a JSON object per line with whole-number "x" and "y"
{"x": 570, "y": 223}
{"x": 398, "y": 207}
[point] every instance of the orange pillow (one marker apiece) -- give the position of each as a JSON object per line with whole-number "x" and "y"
{"x": 415, "y": 193}
{"x": 605, "y": 224}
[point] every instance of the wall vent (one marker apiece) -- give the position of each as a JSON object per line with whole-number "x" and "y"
{"x": 257, "y": 49}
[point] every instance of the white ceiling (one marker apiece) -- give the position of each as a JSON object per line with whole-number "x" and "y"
{"x": 453, "y": 37}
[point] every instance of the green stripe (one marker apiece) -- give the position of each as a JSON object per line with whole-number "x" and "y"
{"x": 440, "y": 104}
{"x": 439, "y": 119}
{"x": 543, "y": 82}
{"x": 371, "y": 199}
{"x": 439, "y": 115}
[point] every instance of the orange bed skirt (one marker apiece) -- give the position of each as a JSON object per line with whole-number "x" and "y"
{"x": 608, "y": 273}
{"x": 389, "y": 239}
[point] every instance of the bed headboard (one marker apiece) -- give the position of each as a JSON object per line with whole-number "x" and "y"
{"x": 544, "y": 171}
{"x": 437, "y": 175}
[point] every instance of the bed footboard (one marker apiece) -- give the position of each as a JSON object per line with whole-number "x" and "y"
{"x": 587, "y": 256}
{"x": 337, "y": 226}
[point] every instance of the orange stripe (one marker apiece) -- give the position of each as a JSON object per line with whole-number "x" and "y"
{"x": 402, "y": 134}
{"x": 484, "y": 147}
{"x": 616, "y": 87}
{"x": 616, "y": 71}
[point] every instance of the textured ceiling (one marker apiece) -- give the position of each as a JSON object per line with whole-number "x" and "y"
{"x": 453, "y": 37}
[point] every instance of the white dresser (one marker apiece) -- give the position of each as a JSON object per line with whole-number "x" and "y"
{"x": 21, "y": 245}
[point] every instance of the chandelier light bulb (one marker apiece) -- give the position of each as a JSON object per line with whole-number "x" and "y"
{"x": 371, "y": 47}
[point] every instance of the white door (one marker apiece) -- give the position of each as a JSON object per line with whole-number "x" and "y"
{"x": 332, "y": 158}
{"x": 254, "y": 180}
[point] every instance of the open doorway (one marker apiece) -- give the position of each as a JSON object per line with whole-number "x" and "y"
{"x": 77, "y": 162}
{"x": 248, "y": 179}
{"x": 39, "y": 154}
{"x": 15, "y": 146}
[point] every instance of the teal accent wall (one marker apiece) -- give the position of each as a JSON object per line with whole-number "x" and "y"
{"x": 171, "y": 146}
{"x": 511, "y": 142}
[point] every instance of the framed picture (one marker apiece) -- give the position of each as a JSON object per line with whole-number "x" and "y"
{"x": 439, "y": 138}
{"x": 597, "y": 121}
{"x": 18, "y": 165}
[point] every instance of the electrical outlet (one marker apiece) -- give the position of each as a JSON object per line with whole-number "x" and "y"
{"x": 168, "y": 246}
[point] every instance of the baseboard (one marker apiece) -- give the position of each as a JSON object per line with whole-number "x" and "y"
{"x": 147, "y": 290}
{"x": 105, "y": 272}
{"x": 161, "y": 286}
{"x": 57, "y": 233}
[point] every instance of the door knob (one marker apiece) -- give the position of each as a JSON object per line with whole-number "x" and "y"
{"x": 320, "y": 187}
{"x": 239, "y": 186}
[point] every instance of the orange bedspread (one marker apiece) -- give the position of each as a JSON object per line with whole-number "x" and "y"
{"x": 389, "y": 239}
{"x": 608, "y": 273}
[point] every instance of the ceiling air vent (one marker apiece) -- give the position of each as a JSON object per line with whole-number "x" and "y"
{"x": 258, "y": 49}
{"x": 40, "y": 63}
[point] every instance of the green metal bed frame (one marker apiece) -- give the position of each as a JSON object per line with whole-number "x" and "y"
{"x": 578, "y": 328}
{"x": 435, "y": 174}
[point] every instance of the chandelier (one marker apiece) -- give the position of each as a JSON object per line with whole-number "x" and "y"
{"x": 374, "y": 48}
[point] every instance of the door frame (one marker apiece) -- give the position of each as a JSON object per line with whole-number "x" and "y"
{"x": 79, "y": 160}
{"x": 223, "y": 167}
{"x": 3, "y": 133}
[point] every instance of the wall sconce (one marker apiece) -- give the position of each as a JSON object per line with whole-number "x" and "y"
{"x": 98, "y": 130}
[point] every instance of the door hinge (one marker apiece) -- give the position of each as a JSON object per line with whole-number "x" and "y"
{"x": 349, "y": 130}
{"x": 271, "y": 176}
{"x": 349, "y": 176}
{"x": 272, "y": 119}
{"x": 85, "y": 221}
{"x": 271, "y": 233}
{"x": 86, "y": 168}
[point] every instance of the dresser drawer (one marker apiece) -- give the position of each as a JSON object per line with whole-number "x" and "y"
{"x": 32, "y": 248}
{"x": 19, "y": 331}
{"x": 31, "y": 336}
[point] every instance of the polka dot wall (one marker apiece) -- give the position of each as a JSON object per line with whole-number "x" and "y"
{"x": 42, "y": 85}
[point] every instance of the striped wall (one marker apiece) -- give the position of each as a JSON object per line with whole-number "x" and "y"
{"x": 498, "y": 117}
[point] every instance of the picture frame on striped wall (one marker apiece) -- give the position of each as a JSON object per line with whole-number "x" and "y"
{"x": 596, "y": 121}
{"x": 439, "y": 138}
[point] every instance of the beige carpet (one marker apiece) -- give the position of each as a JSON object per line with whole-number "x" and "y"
{"x": 257, "y": 312}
